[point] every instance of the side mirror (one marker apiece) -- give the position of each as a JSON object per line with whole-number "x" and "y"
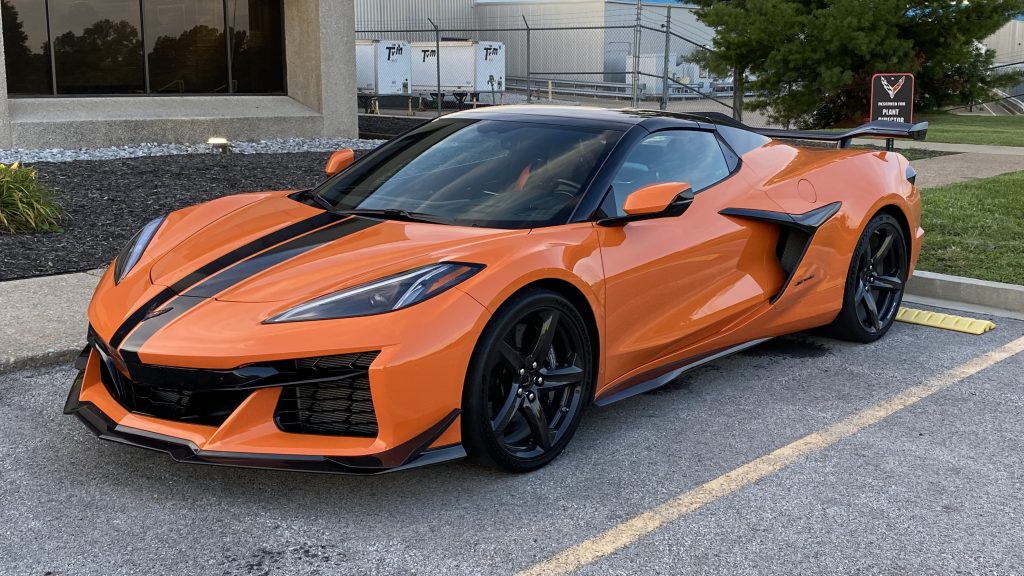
{"x": 340, "y": 160}
{"x": 654, "y": 201}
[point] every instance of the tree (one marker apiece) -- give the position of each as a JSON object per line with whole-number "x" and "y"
{"x": 744, "y": 28}
{"x": 813, "y": 59}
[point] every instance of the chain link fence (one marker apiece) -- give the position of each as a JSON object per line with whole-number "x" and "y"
{"x": 647, "y": 64}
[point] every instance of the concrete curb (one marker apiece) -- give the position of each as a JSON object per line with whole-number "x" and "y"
{"x": 928, "y": 288}
{"x": 39, "y": 359}
{"x": 992, "y": 295}
{"x": 43, "y": 319}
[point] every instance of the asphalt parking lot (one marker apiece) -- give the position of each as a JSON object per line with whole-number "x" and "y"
{"x": 933, "y": 488}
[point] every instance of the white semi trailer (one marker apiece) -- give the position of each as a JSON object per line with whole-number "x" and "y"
{"x": 383, "y": 67}
{"x": 468, "y": 68}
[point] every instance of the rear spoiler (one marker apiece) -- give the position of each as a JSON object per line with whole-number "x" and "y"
{"x": 877, "y": 129}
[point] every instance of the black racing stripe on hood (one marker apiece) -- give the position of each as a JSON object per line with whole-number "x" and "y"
{"x": 236, "y": 274}
{"x": 260, "y": 244}
{"x": 231, "y": 258}
{"x": 148, "y": 327}
{"x": 270, "y": 258}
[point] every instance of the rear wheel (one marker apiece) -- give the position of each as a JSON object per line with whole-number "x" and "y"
{"x": 874, "y": 283}
{"x": 528, "y": 382}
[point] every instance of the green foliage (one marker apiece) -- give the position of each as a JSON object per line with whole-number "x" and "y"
{"x": 25, "y": 204}
{"x": 975, "y": 229}
{"x": 813, "y": 59}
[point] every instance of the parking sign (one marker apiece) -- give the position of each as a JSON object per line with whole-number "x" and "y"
{"x": 892, "y": 97}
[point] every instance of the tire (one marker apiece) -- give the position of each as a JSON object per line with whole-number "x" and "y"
{"x": 510, "y": 418}
{"x": 874, "y": 283}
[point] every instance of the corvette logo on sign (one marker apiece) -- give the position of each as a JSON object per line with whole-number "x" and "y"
{"x": 892, "y": 90}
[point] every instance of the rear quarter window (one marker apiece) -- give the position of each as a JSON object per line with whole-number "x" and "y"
{"x": 742, "y": 141}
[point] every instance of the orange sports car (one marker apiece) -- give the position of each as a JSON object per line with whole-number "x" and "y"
{"x": 472, "y": 285}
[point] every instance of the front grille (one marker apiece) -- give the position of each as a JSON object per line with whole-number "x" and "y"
{"x": 338, "y": 403}
{"x": 320, "y": 395}
{"x": 208, "y": 407}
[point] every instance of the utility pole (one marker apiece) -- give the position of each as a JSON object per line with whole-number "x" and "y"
{"x": 437, "y": 49}
{"x": 636, "y": 57}
{"x": 668, "y": 45}
{"x": 529, "y": 84}
{"x": 738, "y": 89}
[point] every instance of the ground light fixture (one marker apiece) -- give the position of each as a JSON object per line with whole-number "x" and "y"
{"x": 220, "y": 144}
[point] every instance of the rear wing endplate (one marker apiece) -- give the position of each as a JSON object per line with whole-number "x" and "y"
{"x": 876, "y": 129}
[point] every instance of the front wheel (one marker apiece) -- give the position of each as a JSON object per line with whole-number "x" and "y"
{"x": 874, "y": 283}
{"x": 529, "y": 379}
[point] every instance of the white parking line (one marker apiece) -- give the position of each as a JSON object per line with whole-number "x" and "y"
{"x": 628, "y": 532}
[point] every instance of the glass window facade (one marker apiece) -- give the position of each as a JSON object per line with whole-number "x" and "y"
{"x": 78, "y": 47}
{"x": 26, "y": 46}
{"x": 185, "y": 45}
{"x": 257, "y": 59}
{"x": 97, "y": 47}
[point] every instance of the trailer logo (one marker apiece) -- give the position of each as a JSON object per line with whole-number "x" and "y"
{"x": 429, "y": 54}
{"x": 892, "y": 97}
{"x": 394, "y": 50}
{"x": 892, "y": 90}
{"x": 490, "y": 51}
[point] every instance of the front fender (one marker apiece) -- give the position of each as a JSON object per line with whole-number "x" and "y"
{"x": 570, "y": 254}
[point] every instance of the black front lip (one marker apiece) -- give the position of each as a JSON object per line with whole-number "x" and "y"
{"x": 411, "y": 454}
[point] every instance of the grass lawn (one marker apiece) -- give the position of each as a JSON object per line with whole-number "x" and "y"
{"x": 998, "y": 130}
{"x": 976, "y": 229}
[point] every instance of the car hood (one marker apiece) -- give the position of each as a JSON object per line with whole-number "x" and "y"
{"x": 296, "y": 267}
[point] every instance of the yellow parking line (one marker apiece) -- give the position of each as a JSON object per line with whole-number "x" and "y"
{"x": 628, "y": 532}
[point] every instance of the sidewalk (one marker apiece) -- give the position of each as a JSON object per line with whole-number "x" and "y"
{"x": 43, "y": 320}
{"x": 955, "y": 168}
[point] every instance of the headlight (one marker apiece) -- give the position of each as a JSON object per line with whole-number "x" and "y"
{"x": 131, "y": 254}
{"x": 384, "y": 295}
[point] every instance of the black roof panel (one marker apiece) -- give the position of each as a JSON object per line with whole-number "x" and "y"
{"x": 598, "y": 116}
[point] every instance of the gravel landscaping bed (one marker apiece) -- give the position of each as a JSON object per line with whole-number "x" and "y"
{"x": 278, "y": 146}
{"x": 384, "y": 125}
{"x": 108, "y": 201}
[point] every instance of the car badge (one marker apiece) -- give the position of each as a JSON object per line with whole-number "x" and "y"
{"x": 156, "y": 313}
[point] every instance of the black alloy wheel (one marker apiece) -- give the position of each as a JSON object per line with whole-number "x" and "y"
{"x": 530, "y": 378}
{"x": 874, "y": 286}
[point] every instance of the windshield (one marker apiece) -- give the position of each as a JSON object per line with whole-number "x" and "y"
{"x": 489, "y": 173}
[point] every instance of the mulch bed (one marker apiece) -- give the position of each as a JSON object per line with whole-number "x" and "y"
{"x": 109, "y": 200}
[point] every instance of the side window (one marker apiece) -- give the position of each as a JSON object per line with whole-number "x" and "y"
{"x": 670, "y": 156}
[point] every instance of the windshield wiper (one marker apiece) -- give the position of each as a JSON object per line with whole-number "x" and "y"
{"x": 393, "y": 214}
{"x": 320, "y": 200}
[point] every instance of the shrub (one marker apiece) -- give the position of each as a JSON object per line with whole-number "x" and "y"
{"x": 26, "y": 205}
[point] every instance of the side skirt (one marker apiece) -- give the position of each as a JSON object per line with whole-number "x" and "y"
{"x": 646, "y": 384}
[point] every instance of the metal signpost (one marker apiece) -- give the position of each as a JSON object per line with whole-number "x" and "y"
{"x": 892, "y": 99}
